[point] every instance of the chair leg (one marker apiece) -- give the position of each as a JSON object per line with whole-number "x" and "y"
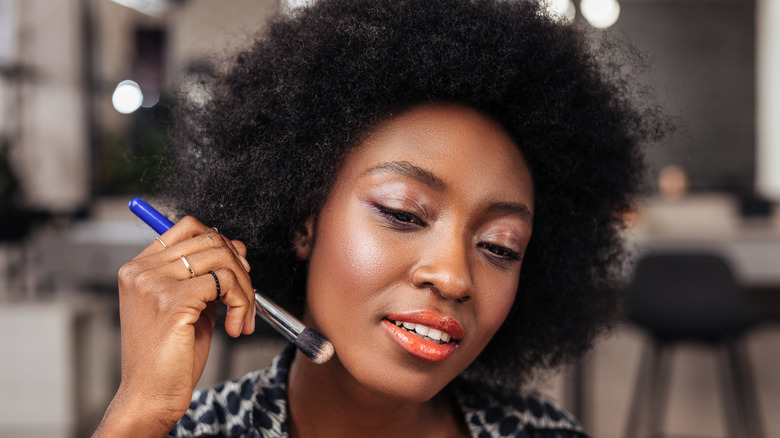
{"x": 660, "y": 389}
{"x": 731, "y": 405}
{"x": 646, "y": 390}
{"x": 648, "y": 405}
{"x": 642, "y": 382}
{"x": 742, "y": 372}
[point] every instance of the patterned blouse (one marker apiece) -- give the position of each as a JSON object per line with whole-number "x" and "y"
{"x": 255, "y": 406}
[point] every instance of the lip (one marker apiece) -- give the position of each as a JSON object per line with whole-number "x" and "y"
{"x": 432, "y": 319}
{"x": 418, "y": 346}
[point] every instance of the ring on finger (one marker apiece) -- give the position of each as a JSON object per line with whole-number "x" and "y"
{"x": 219, "y": 291}
{"x": 161, "y": 242}
{"x": 215, "y": 229}
{"x": 187, "y": 265}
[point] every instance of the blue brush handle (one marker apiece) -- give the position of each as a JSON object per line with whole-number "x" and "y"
{"x": 148, "y": 214}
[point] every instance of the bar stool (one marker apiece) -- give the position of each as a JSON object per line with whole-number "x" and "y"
{"x": 684, "y": 297}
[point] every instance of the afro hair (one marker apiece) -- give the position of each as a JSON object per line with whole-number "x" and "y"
{"x": 257, "y": 157}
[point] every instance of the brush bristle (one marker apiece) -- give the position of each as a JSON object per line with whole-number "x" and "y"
{"x": 314, "y": 345}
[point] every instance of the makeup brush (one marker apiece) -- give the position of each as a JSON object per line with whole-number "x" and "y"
{"x": 309, "y": 341}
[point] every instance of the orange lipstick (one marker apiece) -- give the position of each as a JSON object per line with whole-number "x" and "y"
{"x": 424, "y": 333}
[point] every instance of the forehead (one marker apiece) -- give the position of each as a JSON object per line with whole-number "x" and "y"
{"x": 453, "y": 142}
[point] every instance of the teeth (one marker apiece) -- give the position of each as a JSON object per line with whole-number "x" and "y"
{"x": 425, "y": 332}
{"x": 434, "y": 334}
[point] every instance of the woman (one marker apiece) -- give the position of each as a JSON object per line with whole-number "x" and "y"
{"x": 389, "y": 166}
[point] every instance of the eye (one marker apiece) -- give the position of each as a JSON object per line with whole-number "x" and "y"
{"x": 400, "y": 217}
{"x": 500, "y": 252}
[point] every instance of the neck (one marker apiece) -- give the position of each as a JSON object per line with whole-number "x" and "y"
{"x": 326, "y": 401}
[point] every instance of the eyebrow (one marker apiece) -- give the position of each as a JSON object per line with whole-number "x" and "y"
{"x": 513, "y": 208}
{"x": 408, "y": 169}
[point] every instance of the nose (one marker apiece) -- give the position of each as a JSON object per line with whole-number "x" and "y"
{"x": 445, "y": 268}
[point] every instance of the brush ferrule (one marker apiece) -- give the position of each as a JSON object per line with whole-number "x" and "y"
{"x": 286, "y": 324}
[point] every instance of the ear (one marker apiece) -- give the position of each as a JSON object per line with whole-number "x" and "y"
{"x": 304, "y": 239}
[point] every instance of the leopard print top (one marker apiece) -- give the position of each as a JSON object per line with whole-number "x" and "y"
{"x": 255, "y": 406}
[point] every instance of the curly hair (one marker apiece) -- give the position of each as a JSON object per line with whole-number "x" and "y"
{"x": 257, "y": 157}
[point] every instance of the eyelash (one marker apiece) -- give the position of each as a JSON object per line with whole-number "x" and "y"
{"x": 407, "y": 220}
{"x": 500, "y": 252}
{"x": 400, "y": 218}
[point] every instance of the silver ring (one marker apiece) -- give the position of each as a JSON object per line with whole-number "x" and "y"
{"x": 187, "y": 265}
{"x": 215, "y": 229}
{"x": 160, "y": 240}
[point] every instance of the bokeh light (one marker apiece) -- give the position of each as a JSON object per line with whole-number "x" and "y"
{"x": 600, "y": 13}
{"x": 127, "y": 97}
{"x": 561, "y": 8}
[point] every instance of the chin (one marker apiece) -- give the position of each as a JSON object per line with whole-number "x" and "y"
{"x": 404, "y": 381}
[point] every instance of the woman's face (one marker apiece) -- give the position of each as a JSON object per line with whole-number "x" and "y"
{"x": 425, "y": 227}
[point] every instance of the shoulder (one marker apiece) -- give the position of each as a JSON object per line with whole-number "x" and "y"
{"x": 253, "y": 406}
{"x": 496, "y": 412}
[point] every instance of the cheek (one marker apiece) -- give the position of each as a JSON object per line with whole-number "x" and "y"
{"x": 496, "y": 304}
{"x": 348, "y": 264}
{"x": 365, "y": 257}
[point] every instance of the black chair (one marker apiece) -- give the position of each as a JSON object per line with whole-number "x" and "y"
{"x": 692, "y": 297}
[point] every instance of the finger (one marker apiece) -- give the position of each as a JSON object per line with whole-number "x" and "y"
{"x": 241, "y": 276}
{"x": 209, "y": 251}
{"x": 225, "y": 284}
{"x": 182, "y": 267}
{"x": 212, "y": 239}
{"x": 196, "y": 243}
{"x": 216, "y": 239}
{"x": 158, "y": 245}
{"x": 214, "y": 259}
{"x": 185, "y": 228}
{"x": 240, "y": 249}
{"x": 212, "y": 250}
{"x": 190, "y": 236}
{"x": 188, "y": 228}
{"x": 196, "y": 293}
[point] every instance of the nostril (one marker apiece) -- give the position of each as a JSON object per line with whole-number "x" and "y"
{"x": 435, "y": 289}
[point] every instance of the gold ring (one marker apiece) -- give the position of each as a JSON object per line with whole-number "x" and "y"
{"x": 160, "y": 240}
{"x": 187, "y": 265}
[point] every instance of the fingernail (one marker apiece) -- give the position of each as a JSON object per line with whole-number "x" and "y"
{"x": 245, "y": 263}
{"x": 241, "y": 329}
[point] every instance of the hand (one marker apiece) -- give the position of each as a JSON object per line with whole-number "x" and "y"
{"x": 167, "y": 320}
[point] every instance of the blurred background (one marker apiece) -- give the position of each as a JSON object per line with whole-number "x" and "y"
{"x": 84, "y": 88}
